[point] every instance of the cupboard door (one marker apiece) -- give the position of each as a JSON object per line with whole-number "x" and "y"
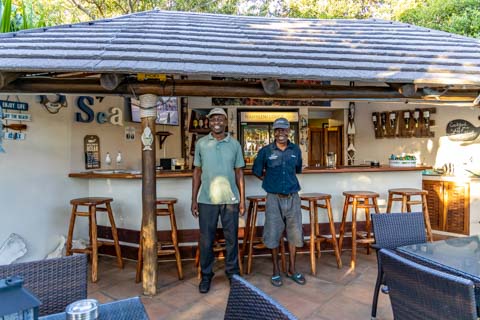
{"x": 457, "y": 207}
{"x": 435, "y": 203}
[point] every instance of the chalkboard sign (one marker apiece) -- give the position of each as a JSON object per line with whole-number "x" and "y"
{"x": 462, "y": 130}
{"x": 91, "y": 144}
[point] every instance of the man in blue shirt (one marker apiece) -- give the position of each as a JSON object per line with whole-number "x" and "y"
{"x": 219, "y": 171}
{"x": 277, "y": 165}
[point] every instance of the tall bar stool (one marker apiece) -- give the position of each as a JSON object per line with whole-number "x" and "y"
{"x": 94, "y": 204}
{"x": 358, "y": 200}
{"x": 218, "y": 248}
{"x": 405, "y": 195}
{"x": 165, "y": 208}
{"x": 250, "y": 240}
{"x": 315, "y": 237}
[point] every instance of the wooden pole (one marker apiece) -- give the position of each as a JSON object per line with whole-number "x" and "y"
{"x": 220, "y": 88}
{"x": 148, "y": 114}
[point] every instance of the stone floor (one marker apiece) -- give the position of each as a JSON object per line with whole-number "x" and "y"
{"x": 333, "y": 294}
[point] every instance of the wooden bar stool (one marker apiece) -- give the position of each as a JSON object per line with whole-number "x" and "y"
{"x": 94, "y": 204}
{"x": 218, "y": 248}
{"x": 358, "y": 200}
{"x": 165, "y": 208}
{"x": 405, "y": 195}
{"x": 256, "y": 205}
{"x": 315, "y": 237}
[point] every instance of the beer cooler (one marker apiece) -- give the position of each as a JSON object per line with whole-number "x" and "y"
{"x": 256, "y": 130}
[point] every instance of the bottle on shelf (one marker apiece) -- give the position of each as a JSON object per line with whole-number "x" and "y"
{"x": 195, "y": 122}
{"x": 200, "y": 121}
{"x": 205, "y": 123}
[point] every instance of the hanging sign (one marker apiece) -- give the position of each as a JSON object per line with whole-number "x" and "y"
{"x": 14, "y": 105}
{"x": 462, "y": 130}
{"x": 91, "y": 146}
{"x": 14, "y": 135}
{"x": 17, "y": 116}
{"x": 1, "y": 129}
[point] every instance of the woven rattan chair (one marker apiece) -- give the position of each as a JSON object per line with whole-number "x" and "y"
{"x": 394, "y": 230}
{"x": 246, "y": 301}
{"x": 126, "y": 309}
{"x": 56, "y": 282}
{"x": 421, "y": 293}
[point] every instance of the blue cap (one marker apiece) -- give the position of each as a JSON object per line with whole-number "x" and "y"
{"x": 281, "y": 123}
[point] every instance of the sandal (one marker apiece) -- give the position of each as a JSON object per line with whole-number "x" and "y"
{"x": 298, "y": 278}
{"x": 276, "y": 280}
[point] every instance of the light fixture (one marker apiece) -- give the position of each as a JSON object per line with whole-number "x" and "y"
{"x": 375, "y": 121}
{"x": 426, "y": 118}
{"x": 416, "y": 116}
{"x": 406, "y": 118}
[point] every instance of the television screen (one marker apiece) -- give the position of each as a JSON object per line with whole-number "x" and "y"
{"x": 167, "y": 110}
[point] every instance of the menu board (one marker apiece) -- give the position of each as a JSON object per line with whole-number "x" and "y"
{"x": 91, "y": 146}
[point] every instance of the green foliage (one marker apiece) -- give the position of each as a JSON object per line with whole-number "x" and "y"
{"x": 6, "y": 15}
{"x": 455, "y": 16}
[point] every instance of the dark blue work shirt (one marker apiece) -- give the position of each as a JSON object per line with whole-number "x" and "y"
{"x": 280, "y": 168}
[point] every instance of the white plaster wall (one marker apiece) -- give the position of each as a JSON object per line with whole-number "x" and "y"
{"x": 34, "y": 188}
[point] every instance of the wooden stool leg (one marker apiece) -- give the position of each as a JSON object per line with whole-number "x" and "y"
{"x": 409, "y": 206}
{"x": 283, "y": 258}
{"x": 332, "y": 232}
{"x": 390, "y": 202}
{"x": 68, "y": 250}
{"x": 312, "y": 237}
{"x": 197, "y": 262}
{"x": 342, "y": 225}
{"x": 354, "y": 234}
{"x": 115, "y": 236}
{"x": 404, "y": 203}
{"x": 246, "y": 235}
{"x": 138, "y": 275}
{"x": 93, "y": 229}
{"x": 253, "y": 228}
{"x": 317, "y": 230}
{"x": 375, "y": 205}
{"x": 240, "y": 262}
{"x": 367, "y": 223}
{"x": 426, "y": 216}
{"x": 173, "y": 224}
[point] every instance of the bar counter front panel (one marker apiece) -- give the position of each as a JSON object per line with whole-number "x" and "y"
{"x": 126, "y": 190}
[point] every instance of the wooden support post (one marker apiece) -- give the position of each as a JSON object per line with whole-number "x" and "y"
{"x": 148, "y": 115}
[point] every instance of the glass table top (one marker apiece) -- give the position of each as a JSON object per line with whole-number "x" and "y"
{"x": 462, "y": 254}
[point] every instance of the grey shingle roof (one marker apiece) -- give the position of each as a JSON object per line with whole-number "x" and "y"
{"x": 221, "y": 45}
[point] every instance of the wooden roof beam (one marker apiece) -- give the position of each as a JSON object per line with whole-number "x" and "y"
{"x": 7, "y": 77}
{"x": 407, "y": 90}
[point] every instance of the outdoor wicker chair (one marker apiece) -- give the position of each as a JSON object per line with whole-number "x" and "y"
{"x": 246, "y": 301}
{"x": 394, "y": 230}
{"x": 421, "y": 293}
{"x": 126, "y": 309}
{"x": 56, "y": 282}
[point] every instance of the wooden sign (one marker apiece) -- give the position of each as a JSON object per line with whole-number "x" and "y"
{"x": 17, "y": 116}
{"x": 462, "y": 130}
{"x": 91, "y": 146}
{"x": 13, "y": 105}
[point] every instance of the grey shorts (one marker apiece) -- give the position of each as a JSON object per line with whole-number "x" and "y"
{"x": 283, "y": 213}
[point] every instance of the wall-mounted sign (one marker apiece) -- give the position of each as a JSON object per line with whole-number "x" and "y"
{"x": 130, "y": 133}
{"x": 14, "y": 135}
{"x": 17, "y": 116}
{"x": 257, "y": 116}
{"x": 462, "y": 130}
{"x": 91, "y": 146}
{"x": 85, "y": 104}
{"x": 13, "y": 105}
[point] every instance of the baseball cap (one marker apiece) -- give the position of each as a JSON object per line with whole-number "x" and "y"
{"x": 281, "y": 123}
{"x": 216, "y": 111}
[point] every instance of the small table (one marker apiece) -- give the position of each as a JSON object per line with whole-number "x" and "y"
{"x": 457, "y": 256}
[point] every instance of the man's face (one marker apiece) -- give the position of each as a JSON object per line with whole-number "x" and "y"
{"x": 281, "y": 135}
{"x": 217, "y": 123}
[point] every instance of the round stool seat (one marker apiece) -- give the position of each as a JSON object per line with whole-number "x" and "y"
{"x": 408, "y": 191}
{"x": 257, "y": 198}
{"x": 90, "y": 201}
{"x": 166, "y": 200}
{"x": 315, "y": 196}
{"x": 361, "y": 194}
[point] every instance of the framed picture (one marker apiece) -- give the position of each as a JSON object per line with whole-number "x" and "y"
{"x": 167, "y": 111}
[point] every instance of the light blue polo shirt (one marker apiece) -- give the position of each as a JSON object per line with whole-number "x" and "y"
{"x": 218, "y": 160}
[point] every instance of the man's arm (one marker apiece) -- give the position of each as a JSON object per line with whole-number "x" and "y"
{"x": 240, "y": 180}
{"x": 196, "y": 181}
{"x": 258, "y": 165}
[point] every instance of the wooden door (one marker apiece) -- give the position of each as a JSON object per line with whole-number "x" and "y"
{"x": 435, "y": 203}
{"x": 322, "y": 141}
{"x": 457, "y": 207}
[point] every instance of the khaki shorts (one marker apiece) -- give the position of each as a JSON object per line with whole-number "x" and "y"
{"x": 283, "y": 212}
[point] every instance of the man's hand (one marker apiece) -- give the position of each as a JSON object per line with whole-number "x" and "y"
{"x": 195, "y": 209}
{"x": 241, "y": 208}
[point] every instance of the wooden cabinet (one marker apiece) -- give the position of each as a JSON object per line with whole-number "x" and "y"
{"x": 448, "y": 205}
{"x": 322, "y": 141}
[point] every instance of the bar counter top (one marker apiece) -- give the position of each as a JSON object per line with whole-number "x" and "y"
{"x": 136, "y": 174}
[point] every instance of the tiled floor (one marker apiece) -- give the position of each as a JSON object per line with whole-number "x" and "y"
{"x": 332, "y": 294}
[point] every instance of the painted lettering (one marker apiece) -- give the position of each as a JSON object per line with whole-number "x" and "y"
{"x": 116, "y": 116}
{"x": 84, "y": 104}
{"x": 101, "y": 117}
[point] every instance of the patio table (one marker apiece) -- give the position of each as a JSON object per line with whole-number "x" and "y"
{"x": 457, "y": 256}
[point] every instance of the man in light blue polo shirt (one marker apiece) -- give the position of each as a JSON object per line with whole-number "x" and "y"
{"x": 218, "y": 189}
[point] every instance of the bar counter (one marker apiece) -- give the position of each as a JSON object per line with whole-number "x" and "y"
{"x": 125, "y": 187}
{"x": 135, "y": 174}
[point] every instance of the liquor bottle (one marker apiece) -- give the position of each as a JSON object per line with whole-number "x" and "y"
{"x": 195, "y": 123}
{"x": 200, "y": 122}
{"x": 205, "y": 123}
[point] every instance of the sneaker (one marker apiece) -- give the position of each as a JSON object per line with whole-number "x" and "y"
{"x": 204, "y": 285}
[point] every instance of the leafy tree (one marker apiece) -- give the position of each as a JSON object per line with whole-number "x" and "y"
{"x": 455, "y": 16}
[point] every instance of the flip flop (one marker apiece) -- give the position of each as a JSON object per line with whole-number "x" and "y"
{"x": 298, "y": 278}
{"x": 276, "y": 280}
